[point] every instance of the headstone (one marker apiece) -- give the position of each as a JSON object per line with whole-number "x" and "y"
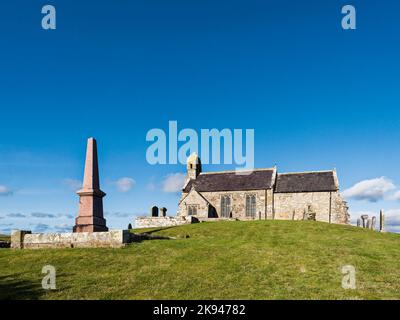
{"x": 373, "y": 223}
{"x": 163, "y": 211}
{"x": 90, "y": 218}
{"x": 368, "y": 224}
{"x": 381, "y": 221}
{"x": 364, "y": 218}
{"x": 154, "y": 211}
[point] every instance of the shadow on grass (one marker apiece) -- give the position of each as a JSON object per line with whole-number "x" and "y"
{"x": 13, "y": 288}
{"x": 159, "y": 229}
{"x": 148, "y": 235}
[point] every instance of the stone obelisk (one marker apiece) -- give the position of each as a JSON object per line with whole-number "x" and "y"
{"x": 90, "y": 218}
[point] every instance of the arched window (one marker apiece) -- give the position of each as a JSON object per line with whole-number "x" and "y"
{"x": 251, "y": 205}
{"x": 192, "y": 210}
{"x": 226, "y": 206}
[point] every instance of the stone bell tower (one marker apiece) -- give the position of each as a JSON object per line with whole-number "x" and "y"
{"x": 90, "y": 218}
{"x": 193, "y": 165}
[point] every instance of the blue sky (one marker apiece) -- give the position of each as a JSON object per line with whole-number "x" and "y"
{"x": 317, "y": 96}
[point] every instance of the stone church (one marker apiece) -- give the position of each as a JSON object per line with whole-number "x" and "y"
{"x": 262, "y": 194}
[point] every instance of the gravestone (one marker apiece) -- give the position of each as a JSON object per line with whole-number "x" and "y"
{"x": 368, "y": 224}
{"x": 381, "y": 221}
{"x": 373, "y": 223}
{"x": 163, "y": 212}
{"x": 154, "y": 211}
{"x": 364, "y": 218}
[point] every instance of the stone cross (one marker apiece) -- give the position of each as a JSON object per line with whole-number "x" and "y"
{"x": 381, "y": 221}
{"x": 90, "y": 218}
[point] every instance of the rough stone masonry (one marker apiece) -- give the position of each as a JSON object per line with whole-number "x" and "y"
{"x": 21, "y": 239}
{"x": 262, "y": 194}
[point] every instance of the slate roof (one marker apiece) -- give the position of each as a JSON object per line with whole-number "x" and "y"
{"x": 260, "y": 179}
{"x": 306, "y": 182}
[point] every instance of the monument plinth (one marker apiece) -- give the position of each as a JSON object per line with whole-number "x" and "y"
{"x": 90, "y": 218}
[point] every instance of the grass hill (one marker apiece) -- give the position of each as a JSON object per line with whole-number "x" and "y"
{"x": 4, "y": 237}
{"x": 217, "y": 260}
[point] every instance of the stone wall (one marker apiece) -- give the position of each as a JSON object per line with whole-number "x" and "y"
{"x": 340, "y": 209}
{"x": 110, "y": 239}
{"x": 238, "y": 203}
{"x": 328, "y": 206}
{"x": 195, "y": 199}
{"x": 156, "y": 222}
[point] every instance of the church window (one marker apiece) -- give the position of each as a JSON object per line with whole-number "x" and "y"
{"x": 251, "y": 205}
{"x": 226, "y": 206}
{"x": 192, "y": 210}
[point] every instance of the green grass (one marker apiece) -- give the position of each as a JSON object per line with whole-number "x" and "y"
{"x": 4, "y": 237}
{"x": 219, "y": 260}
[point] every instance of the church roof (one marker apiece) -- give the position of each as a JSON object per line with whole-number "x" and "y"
{"x": 307, "y": 182}
{"x": 259, "y": 179}
{"x": 262, "y": 179}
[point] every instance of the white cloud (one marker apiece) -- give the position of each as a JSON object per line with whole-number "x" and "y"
{"x": 65, "y": 227}
{"x": 124, "y": 184}
{"x": 16, "y": 215}
{"x": 173, "y": 182}
{"x": 394, "y": 196}
{"x": 72, "y": 184}
{"x": 65, "y": 215}
{"x": 42, "y": 215}
{"x": 4, "y": 191}
{"x": 371, "y": 190}
{"x": 392, "y": 217}
{"x": 41, "y": 227}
